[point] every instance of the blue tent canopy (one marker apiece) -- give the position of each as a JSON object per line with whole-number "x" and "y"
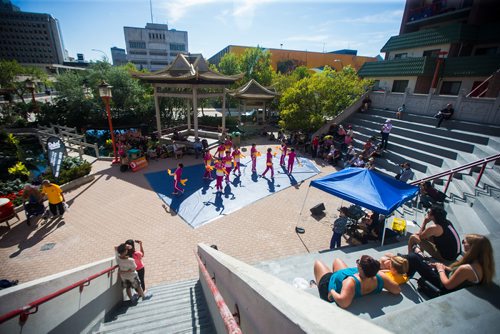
{"x": 369, "y": 189}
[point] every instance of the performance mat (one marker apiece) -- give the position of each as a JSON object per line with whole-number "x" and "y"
{"x": 200, "y": 203}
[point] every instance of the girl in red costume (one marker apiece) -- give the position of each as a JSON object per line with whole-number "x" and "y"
{"x": 253, "y": 156}
{"x": 292, "y": 156}
{"x": 207, "y": 159}
{"x": 228, "y": 143}
{"x": 269, "y": 163}
{"x": 219, "y": 174}
{"x": 284, "y": 150}
{"x": 228, "y": 164}
{"x": 237, "y": 156}
{"x": 220, "y": 150}
{"x": 177, "y": 179}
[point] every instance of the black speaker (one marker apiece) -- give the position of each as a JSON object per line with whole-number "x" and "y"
{"x": 318, "y": 209}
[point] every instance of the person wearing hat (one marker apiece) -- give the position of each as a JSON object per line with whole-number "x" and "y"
{"x": 370, "y": 165}
{"x": 444, "y": 113}
{"x": 342, "y": 284}
{"x": 55, "y": 197}
{"x": 385, "y": 131}
{"x": 339, "y": 227}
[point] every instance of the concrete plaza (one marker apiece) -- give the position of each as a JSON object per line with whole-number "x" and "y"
{"x": 118, "y": 206}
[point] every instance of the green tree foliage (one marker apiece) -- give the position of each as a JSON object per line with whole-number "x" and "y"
{"x": 229, "y": 64}
{"x": 307, "y": 102}
{"x": 256, "y": 64}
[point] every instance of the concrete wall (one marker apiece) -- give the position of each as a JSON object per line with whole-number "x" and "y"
{"x": 268, "y": 305}
{"x": 479, "y": 110}
{"x": 72, "y": 312}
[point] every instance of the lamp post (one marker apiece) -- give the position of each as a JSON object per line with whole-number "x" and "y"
{"x": 106, "y": 59}
{"x": 105, "y": 94}
{"x": 30, "y": 85}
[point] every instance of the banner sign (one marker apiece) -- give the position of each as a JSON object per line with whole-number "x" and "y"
{"x": 56, "y": 150}
{"x": 138, "y": 164}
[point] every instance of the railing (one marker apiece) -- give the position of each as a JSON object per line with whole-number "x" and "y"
{"x": 451, "y": 172}
{"x": 25, "y": 311}
{"x": 471, "y": 94}
{"x": 232, "y": 326}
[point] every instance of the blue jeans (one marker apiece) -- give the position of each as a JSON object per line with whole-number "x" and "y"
{"x": 336, "y": 240}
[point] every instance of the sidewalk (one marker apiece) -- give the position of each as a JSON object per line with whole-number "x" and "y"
{"x": 118, "y": 206}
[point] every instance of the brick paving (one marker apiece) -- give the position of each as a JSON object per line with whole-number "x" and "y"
{"x": 118, "y": 206}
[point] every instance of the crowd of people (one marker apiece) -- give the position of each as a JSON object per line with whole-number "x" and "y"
{"x": 435, "y": 253}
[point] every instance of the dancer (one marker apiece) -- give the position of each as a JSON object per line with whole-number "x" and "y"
{"x": 228, "y": 163}
{"x": 269, "y": 163}
{"x": 284, "y": 150}
{"x": 237, "y": 155}
{"x": 228, "y": 143}
{"x": 292, "y": 156}
{"x": 207, "y": 159}
{"x": 177, "y": 179}
{"x": 220, "y": 150}
{"x": 253, "y": 154}
{"x": 219, "y": 174}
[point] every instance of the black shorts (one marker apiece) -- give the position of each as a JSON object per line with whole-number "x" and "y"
{"x": 323, "y": 286}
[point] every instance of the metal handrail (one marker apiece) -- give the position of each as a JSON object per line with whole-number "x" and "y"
{"x": 452, "y": 171}
{"x": 229, "y": 321}
{"x": 24, "y": 311}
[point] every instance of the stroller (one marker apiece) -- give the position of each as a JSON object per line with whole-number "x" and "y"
{"x": 354, "y": 214}
{"x": 33, "y": 210}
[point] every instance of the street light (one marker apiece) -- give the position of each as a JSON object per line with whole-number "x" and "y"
{"x": 30, "y": 85}
{"x": 105, "y": 94}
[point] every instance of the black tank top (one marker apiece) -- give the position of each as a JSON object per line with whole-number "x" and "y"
{"x": 448, "y": 244}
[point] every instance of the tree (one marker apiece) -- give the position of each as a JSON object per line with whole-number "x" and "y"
{"x": 309, "y": 101}
{"x": 229, "y": 64}
{"x": 10, "y": 73}
{"x": 256, "y": 64}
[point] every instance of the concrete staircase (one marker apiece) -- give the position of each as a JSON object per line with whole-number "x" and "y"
{"x": 431, "y": 150}
{"x": 173, "y": 308}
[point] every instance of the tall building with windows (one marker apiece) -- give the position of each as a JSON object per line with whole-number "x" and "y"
{"x": 29, "y": 38}
{"x": 155, "y": 46}
{"x": 119, "y": 56}
{"x": 444, "y": 47}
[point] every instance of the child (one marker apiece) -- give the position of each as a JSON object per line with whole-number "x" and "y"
{"x": 269, "y": 163}
{"x": 236, "y": 156}
{"x": 284, "y": 150}
{"x": 253, "y": 155}
{"x": 292, "y": 156}
{"x": 207, "y": 159}
{"x": 228, "y": 164}
{"x": 220, "y": 150}
{"x": 219, "y": 174}
{"x": 130, "y": 278}
{"x": 177, "y": 179}
{"x": 137, "y": 256}
{"x": 228, "y": 143}
{"x": 395, "y": 267}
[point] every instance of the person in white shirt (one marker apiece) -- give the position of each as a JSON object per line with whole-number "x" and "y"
{"x": 385, "y": 131}
{"x": 128, "y": 274}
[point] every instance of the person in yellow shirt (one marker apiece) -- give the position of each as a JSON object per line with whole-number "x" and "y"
{"x": 395, "y": 267}
{"x": 55, "y": 197}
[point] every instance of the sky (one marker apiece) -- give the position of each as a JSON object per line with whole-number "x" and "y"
{"x": 319, "y": 26}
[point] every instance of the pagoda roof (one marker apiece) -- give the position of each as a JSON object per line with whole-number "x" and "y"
{"x": 252, "y": 90}
{"x": 188, "y": 69}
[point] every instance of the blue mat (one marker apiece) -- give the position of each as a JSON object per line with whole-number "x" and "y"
{"x": 201, "y": 204}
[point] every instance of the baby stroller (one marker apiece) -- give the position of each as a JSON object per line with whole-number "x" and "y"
{"x": 354, "y": 214}
{"x": 33, "y": 210}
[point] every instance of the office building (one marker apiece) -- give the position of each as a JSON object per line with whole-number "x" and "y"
{"x": 29, "y": 38}
{"x": 284, "y": 61}
{"x": 119, "y": 56}
{"x": 155, "y": 46}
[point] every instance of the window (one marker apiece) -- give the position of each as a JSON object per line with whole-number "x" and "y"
{"x": 158, "y": 53}
{"x": 376, "y": 85}
{"x": 399, "y": 86}
{"x": 431, "y": 53}
{"x": 138, "y": 52}
{"x": 450, "y": 87}
{"x": 177, "y": 47}
{"x": 400, "y": 55}
{"x": 137, "y": 45}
